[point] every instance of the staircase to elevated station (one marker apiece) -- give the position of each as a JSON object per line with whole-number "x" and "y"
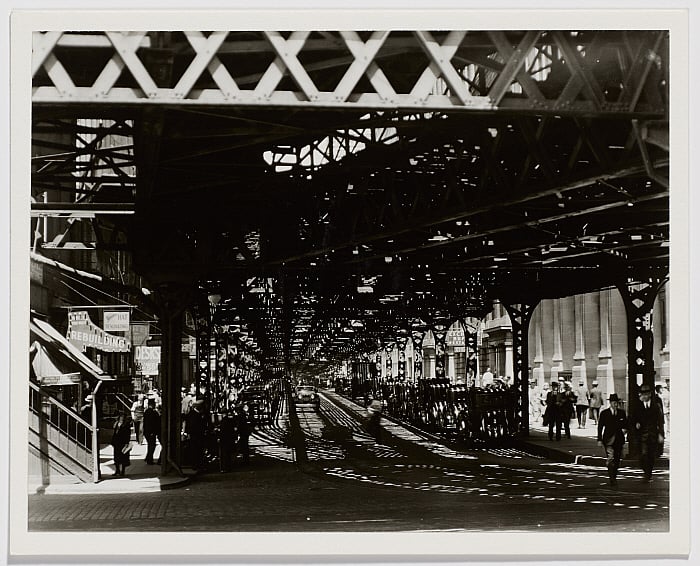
{"x": 60, "y": 442}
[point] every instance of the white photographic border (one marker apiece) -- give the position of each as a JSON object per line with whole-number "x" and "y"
{"x": 409, "y": 547}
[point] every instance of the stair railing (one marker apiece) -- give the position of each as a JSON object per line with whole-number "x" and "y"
{"x": 74, "y": 436}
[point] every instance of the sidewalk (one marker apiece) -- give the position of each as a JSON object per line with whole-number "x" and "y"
{"x": 581, "y": 448}
{"x": 140, "y": 477}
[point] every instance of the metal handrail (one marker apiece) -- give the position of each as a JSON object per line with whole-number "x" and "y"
{"x": 120, "y": 397}
{"x": 61, "y": 406}
{"x": 61, "y": 417}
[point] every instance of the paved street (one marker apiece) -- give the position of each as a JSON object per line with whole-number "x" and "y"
{"x": 408, "y": 481}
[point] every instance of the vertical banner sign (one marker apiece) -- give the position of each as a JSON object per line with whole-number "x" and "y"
{"x": 116, "y": 321}
{"x": 83, "y": 333}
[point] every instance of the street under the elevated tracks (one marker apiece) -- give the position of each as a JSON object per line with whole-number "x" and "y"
{"x": 409, "y": 481}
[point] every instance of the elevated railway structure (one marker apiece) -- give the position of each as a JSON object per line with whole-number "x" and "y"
{"x": 311, "y": 196}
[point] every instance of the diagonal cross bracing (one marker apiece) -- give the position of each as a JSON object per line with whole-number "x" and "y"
{"x": 497, "y": 77}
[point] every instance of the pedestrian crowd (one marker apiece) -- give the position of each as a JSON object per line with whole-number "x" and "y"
{"x": 206, "y": 440}
{"x": 645, "y": 427}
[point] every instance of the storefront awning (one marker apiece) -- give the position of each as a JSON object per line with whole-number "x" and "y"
{"x": 57, "y": 359}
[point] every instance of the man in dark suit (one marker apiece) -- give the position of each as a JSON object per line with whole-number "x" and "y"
{"x": 612, "y": 426}
{"x": 151, "y": 429}
{"x": 649, "y": 425}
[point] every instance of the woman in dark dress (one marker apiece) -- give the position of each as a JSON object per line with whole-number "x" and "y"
{"x": 120, "y": 440}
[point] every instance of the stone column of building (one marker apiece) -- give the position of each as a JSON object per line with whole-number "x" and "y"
{"x": 604, "y": 371}
{"x": 508, "y": 351}
{"x": 557, "y": 357}
{"x": 409, "y": 362}
{"x": 428, "y": 354}
{"x": 538, "y": 360}
{"x": 578, "y": 369}
{"x": 664, "y": 372}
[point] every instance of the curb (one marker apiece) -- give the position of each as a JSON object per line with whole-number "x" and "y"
{"x": 558, "y": 455}
{"x": 145, "y": 485}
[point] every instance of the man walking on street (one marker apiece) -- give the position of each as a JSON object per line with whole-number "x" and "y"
{"x": 612, "y": 426}
{"x": 552, "y": 414}
{"x": 151, "y": 429}
{"x": 649, "y": 426}
{"x": 582, "y": 400}
{"x": 195, "y": 427}
{"x": 595, "y": 401}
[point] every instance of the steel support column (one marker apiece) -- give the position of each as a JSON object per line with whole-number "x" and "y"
{"x": 203, "y": 377}
{"x": 173, "y": 300}
{"x": 220, "y": 378}
{"x": 638, "y": 296}
{"x": 520, "y": 315}
{"x": 417, "y": 339}
{"x": 439, "y": 330}
{"x": 401, "y": 342}
{"x": 471, "y": 326}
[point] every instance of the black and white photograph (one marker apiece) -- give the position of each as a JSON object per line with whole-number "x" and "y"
{"x": 360, "y": 284}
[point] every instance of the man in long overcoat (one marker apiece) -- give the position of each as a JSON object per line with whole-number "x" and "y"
{"x": 612, "y": 426}
{"x": 648, "y": 423}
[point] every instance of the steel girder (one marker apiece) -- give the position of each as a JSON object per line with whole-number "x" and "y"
{"x": 545, "y": 72}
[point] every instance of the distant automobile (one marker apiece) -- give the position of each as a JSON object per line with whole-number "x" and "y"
{"x": 306, "y": 397}
{"x": 257, "y": 400}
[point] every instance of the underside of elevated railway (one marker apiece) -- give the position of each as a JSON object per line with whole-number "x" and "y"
{"x": 300, "y": 200}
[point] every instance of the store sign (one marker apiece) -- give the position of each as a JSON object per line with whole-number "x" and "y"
{"x": 147, "y": 359}
{"x": 455, "y": 337}
{"x": 193, "y": 348}
{"x": 83, "y": 333}
{"x": 66, "y": 379}
{"x": 140, "y": 333}
{"x": 116, "y": 321}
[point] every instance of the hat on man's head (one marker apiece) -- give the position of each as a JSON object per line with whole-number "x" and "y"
{"x": 594, "y": 383}
{"x": 613, "y": 397}
{"x": 580, "y": 381}
{"x": 645, "y": 388}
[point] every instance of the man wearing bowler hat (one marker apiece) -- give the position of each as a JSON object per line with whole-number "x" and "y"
{"x": 648, "y": 423}
{"x": 612, "y": 426}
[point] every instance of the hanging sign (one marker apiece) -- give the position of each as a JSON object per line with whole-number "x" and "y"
{"x": 455, "y": 337}
{"x": 83, "y": 333}
{"x": 147, "y": 359}
{"x": 140, "y": 333}
{"x": 116, "y": 321}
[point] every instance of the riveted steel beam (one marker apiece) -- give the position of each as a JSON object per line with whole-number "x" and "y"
{"x": 472, "y": 71}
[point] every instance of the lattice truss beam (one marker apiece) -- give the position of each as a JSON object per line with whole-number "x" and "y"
{"x": 558, "y": 72}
